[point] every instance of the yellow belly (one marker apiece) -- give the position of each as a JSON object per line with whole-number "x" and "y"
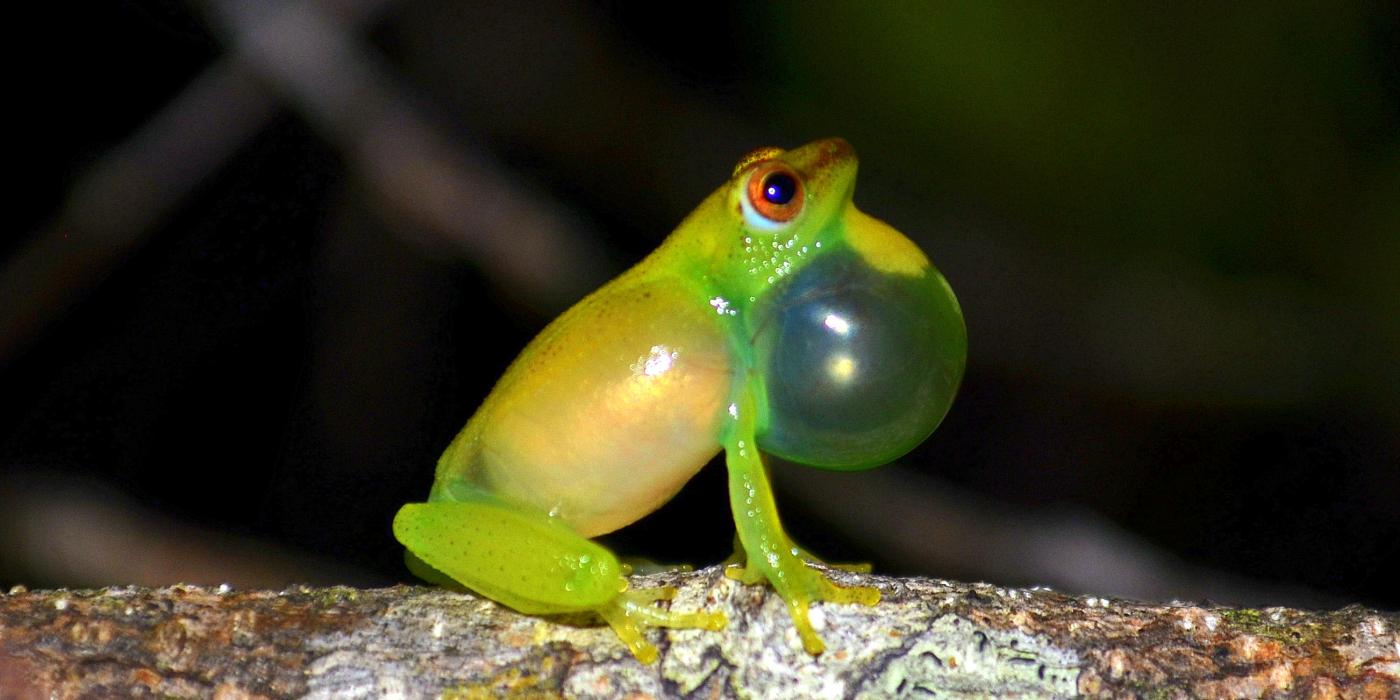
{"x": 609, "y": 411}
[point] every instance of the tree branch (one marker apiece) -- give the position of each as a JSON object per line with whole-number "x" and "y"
{"x": 927, "y": 638}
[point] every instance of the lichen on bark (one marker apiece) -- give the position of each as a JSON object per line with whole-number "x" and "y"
{"x": 927, "y": 637}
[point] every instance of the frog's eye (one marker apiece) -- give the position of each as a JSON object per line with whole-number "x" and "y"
{"x": 774, "y": 195}
{"x": 858, "y": 365}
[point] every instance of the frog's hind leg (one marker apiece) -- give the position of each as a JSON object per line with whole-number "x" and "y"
{"x": 764, "y": 548}
{"x": 535, "y": 564}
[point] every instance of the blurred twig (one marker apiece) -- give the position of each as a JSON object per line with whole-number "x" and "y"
{"x": 930, "y": 525}
{"x": 305, "y": 51}
{"x": 119, "y": 200}
{"x": 87, "y": 534}
{"x": 454, "y": 193}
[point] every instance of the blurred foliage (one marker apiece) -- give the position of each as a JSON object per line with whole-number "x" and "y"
{"x": 1122, "y": 128}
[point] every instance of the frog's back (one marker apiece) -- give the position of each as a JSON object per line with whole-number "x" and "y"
{"x": 609, "y": 411}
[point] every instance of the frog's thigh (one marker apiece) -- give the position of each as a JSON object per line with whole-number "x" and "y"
{"x": 511, "y": 554}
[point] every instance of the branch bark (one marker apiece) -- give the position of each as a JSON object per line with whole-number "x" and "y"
{"x": 927, "y": 638}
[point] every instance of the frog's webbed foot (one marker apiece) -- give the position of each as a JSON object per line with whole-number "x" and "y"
{"x": 633, "y": 612}
{"x": 800, "y": 585}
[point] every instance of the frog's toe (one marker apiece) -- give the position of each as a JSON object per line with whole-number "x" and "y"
{"x": 648, "y": 595}
{"x": 713, "y": 621}
{"x": 631, "y": 635}
{"x": 810, "y": 586}
{"x": 861, "y": 595}
{"x": 798, "y": 611}
{"x": 632, "y": 613}
{"x": 744, "y": 573}
{"x": 643, "y": 613}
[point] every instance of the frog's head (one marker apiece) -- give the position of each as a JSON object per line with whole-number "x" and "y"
{"x": 858, "y": 344}
{"x": 799, "y": 193}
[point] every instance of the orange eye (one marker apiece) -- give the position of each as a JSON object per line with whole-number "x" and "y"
{"x": 775, "y": 192}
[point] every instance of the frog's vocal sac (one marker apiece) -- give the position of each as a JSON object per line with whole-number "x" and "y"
{"x": 776, "y": 318}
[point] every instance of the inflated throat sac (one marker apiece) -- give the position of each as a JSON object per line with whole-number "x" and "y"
{"x": 858, "y": 365}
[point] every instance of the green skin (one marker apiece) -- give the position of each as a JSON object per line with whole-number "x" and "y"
{"x": 618, "y": 402}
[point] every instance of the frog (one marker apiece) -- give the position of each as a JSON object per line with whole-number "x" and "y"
{"x": 777, "y": 319}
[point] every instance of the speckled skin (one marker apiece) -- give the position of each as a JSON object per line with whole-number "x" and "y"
{"x": 609, "y": 411}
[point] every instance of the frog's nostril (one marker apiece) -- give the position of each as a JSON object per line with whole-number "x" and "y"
{"x": 838, "y": 147}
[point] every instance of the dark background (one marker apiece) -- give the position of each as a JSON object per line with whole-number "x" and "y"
{"x": 267, "y": 257}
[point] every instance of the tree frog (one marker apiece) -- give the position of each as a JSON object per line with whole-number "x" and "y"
{"x": 777, "y": 318}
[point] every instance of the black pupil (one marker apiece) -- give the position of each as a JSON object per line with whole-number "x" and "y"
{"x": 779, "y": 188}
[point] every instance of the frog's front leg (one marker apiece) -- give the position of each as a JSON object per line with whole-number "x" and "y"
{"x": 769, "y": 552}
{"x": 536, "y": 565}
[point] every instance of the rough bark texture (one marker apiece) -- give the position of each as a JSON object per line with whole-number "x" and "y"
{"x": 927, "y": 638}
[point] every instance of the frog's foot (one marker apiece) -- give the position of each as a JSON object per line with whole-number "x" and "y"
{"x": 800, "y": 586}
{"x": 747, "y": 574}
{"x": 633, "y": 612}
